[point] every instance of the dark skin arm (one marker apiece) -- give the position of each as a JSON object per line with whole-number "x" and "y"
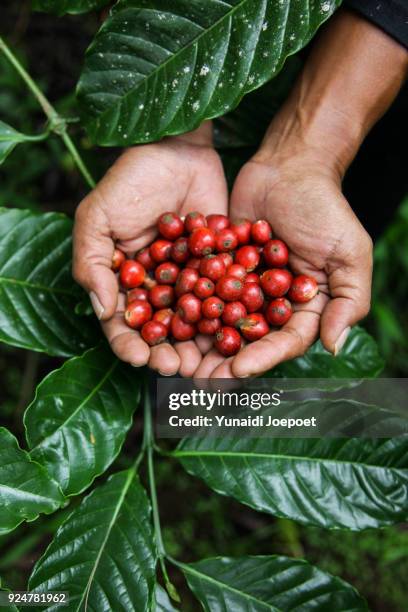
{"x": 352, "y": 76}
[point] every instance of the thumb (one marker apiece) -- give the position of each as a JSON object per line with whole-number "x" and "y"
{"x": 92, "y": 259}
{"x": 350, "y": 290}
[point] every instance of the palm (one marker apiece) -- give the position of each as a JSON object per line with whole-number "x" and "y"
{"x": 315, "y": 221}
{"x": 144, "y": 183}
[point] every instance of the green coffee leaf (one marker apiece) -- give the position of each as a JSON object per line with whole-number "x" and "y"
{"x": 246, "y": 125}
{"x": 80, "y": 416}
{"x": 10, "y": 138}
{"x": 258, "y": 584}
{"x": 163, "y": 603}
{"x": 160, "y": 67}
{"x": 359, "y": 358}
{"x": 74, "y": 7}
{"x": 26, "y": 490}
{"x": 352, "y": 483}
{"x": 104, "y": 553}
{"x": 37, "y": 292}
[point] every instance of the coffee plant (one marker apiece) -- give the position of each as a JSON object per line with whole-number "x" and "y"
{"x": 155, "y": 68}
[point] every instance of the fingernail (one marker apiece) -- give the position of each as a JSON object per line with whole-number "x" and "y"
{"x": 244, "y": 376}
{"x": 135, "y": 365}
{"x": 164, "y": 373}
{"x": 338, "y": 345}
{"x": 96, "y": 305}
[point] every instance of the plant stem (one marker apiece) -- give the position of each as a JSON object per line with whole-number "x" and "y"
{"x": 148, "y": 443}
{"x": 57, "y": 123}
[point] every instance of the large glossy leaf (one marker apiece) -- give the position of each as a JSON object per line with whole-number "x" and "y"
{"x": 359, "y": 358}
{"x": 9, "y": 139}
{"x": 162, "y": 601}
{"x": 104, "y": 553}
{"x": 258, "y": 584}
{"x": 61, "y": 7}
{"x": 26, "y": 490}
{"x": 161, "y": 67}
{"x": 334, "y": 483}
{"x": 79, "y": 418}
{"x": 246, "y": 125}
{"x": 37, "y": 292}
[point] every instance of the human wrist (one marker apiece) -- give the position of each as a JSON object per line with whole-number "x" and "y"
{"x": 202, "y": 136}
{"x": 349, "y": 80}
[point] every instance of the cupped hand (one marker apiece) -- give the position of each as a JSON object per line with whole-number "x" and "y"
{"x": 179, "y": 174}
{"x": 303, "y": 202}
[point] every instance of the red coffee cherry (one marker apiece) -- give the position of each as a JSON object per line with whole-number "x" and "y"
{"x": 204, "y": 288}
{"x": 143, "y": 257}
{"x": 166, "y": 273}
{"x": 254, "y": 326}
{"x": 276, "y": 282}
{"x": 303, "y": 289}
{"x": 275, "y": 253}
{"x": 227, "y": 341}
{"x": 189, "y": 308}
{"x": 252, "y": 277}
{"x": 233, "y": 313}
{"x": 170, "y": 225}
{"x": 160, "y": 250}
{"x": 179, "y": 251}
{"x": 212, "y": 307}
{"x": 193, "y": 262}
{"x": 201, "y": 242}
{"x": 137, "y": 294}
{"x": 164, "y": 315}
{"x": 261, "y": 231}
{"x": 149, "y": 282}
{"x": 237, "y": 271}
{"x": 118, "y": 258}
{"x": 225, "y": 240}
{"x": 213, "y": 267}
{"x": 217, "y": 222}
{"x": 227, "y": 259}
{"x": 229, "y": 288}
{"x": 154, "y": 332}
{"x": 247, "y": 256}
{"x": 252, "y": 297}
{"x": 138, "y": 313}
{"x": 131, "y": 274}
{"x": 180, "y": 330}
{"x": 186, "y": 280}
{"x": 278, "y": 311}
{"x": 161, "y": 296}
{"x": 193, "y": 221}
{"x": 242, "y": 230}
{"x": 209, "y": 326}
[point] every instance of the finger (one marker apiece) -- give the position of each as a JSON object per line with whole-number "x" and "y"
{"x": 289, "y": 342}
{"x": 164, "y": 359}
{"x": 190, "y": 357}
{"x": 223, "y": 370}
{"x": 92, "y": 258}
{"x": 125, "y": 343}
{"x": 208, "y": 364}
{"x": 204, "y": 343}
{"x": 350, "y": 289}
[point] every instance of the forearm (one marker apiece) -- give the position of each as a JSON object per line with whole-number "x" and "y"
{"x": 352, "y": 76}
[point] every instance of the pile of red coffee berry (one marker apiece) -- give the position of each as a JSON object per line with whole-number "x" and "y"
{"x": 209, "y": 275}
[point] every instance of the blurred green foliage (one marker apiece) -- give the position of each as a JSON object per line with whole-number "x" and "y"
{"x": 197, "y": 522}
{"x": 389, "y": 315}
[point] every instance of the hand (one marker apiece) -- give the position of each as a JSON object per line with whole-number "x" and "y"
{"x": 305, "y": 207}
{"x": 179, "y": 174}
